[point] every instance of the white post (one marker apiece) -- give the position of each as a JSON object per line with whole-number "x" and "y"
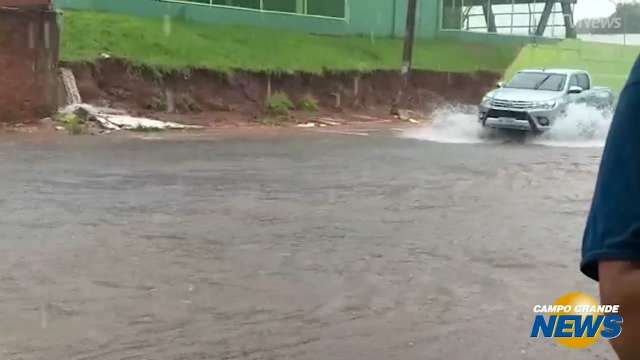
{"x": 624, "y": 29}
{"x": 347, "y": 11}
{"x": 461, "y": 14}
{"x": 513, "y": 9}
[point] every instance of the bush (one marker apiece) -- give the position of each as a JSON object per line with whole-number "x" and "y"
{"x": 309, "y": 103}
{"x": 272, "y": 121}
{"x": 279, "y": 104}
{"x": 71, "y": 122}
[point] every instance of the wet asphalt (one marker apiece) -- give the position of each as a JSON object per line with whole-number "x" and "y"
{"x": 293, "y": 246}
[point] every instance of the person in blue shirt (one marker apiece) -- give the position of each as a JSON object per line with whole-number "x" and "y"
{"x": 611, "y": 243}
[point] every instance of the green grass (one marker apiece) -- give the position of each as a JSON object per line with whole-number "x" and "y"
{"x": 226, "y": 48}
{"x": 71, "y": 122}
{"x": 309, "y": 103}
{"x": 143, "y": 41}
{"x": 608, "y": 64}
{"x": 279, "y": 104}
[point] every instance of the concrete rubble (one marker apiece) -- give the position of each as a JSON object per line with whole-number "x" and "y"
{"x": 322, "y": 122}
{"x": 414, "y": 117}
{"x": 114, "y": 119}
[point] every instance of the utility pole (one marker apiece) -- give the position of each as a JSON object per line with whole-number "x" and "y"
{"x": 407, "y": 56}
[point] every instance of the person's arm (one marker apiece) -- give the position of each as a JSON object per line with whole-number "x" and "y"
{"x": 620, "y": 285}
{"x": 611, "y": 245}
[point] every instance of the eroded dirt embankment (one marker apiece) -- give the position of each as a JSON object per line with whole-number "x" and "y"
{"x": 212, "y": 98}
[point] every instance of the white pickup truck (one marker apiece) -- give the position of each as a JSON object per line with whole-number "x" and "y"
{"x": 534, "y": 99}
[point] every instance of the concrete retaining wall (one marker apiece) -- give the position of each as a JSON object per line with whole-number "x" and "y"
{"x": 29, "y": 41}
{"x": 25, "y": 3}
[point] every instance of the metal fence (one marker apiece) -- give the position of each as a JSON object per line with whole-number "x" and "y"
{"x": 325, "y": 8}
{"x": 513, "y": 17}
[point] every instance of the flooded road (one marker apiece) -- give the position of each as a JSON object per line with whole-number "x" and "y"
{"x": 317, "y": 246}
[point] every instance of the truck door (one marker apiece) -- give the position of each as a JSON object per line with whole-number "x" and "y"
{"x": 581, "y": 80}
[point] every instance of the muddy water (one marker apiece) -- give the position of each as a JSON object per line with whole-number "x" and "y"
{"x": 291, "y": 247}
{"x": 582, "y": 126}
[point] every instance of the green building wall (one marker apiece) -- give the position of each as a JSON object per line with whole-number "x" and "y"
{"x": 364, "y": 17}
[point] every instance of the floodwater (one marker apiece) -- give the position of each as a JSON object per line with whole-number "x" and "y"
{"x": 295, "y": 246}
{"x": 582, "y": 126}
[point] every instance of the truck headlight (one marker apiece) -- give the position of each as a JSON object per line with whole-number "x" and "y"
{"x": 546, "y": 105}
{"x": 486, "y": 101}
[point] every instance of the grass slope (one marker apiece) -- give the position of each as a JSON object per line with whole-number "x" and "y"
{"x": 144, "y": 41}
{"x": 609, "y": 64}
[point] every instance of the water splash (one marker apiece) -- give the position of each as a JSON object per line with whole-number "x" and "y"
{"x": 454, "y": 124}
{"x": 70, "y": 87}
{"x": 582, "y": 126}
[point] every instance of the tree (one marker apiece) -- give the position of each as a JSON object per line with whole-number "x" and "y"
{"x": 626, "y": 19}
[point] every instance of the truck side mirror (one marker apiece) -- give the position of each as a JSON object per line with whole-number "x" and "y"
{"x": 500, "y": 84}
{"x": 575, "y": 90}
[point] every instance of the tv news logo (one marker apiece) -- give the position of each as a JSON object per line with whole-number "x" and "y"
{"x": 577, "y": 321}
{"x": 611, "y": 23}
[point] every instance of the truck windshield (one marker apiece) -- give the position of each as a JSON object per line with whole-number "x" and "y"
{"x": 538, "y": 81}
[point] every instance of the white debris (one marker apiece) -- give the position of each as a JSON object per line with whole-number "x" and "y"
{"x": 411, "y": 116}
{"x": 126, "y": 122}
{"x": 323, "y": 122}
{"x": 329, "y": 122}
{"x": 114, "y": 119}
